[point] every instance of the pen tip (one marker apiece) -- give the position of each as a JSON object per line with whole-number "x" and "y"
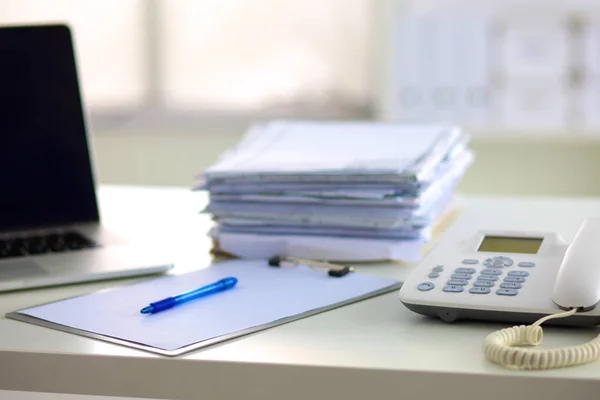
{"x": 146, "y": 310}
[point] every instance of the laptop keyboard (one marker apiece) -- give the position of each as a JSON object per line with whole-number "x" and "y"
{"x": 40, "y": 244}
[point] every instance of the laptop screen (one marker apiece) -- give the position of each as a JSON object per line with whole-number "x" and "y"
{"x": 45, "y": 168}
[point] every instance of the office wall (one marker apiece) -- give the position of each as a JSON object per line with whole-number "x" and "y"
{"x": 503, "y": 167}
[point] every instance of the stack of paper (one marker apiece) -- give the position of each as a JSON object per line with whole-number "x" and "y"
{"x": 334, "y": 190}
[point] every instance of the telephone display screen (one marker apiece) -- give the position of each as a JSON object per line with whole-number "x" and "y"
{"x": 504, "y": 244}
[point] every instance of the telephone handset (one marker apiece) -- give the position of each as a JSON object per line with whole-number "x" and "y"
{"x": 523, "y": 277}
{"x": 578, "y": 280}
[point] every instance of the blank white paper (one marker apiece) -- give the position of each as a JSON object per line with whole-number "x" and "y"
{"x": 263, "y": 295}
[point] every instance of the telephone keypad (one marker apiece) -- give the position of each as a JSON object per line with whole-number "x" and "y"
{"x": 485, "y": 279}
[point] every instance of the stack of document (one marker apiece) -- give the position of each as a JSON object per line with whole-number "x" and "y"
{"x": 343, "y": 191}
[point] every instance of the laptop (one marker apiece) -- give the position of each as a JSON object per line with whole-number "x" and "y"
{"x": 50, "y": 228}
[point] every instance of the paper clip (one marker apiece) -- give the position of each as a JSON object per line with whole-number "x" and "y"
{"x": 336, "y": 271}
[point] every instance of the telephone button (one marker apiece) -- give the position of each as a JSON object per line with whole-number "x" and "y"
{"x": 518, "y": 273}
{"x": 517, "y": 279}
{"x": 470, "y": 261}
{"x": 498, "y": 262}
{"x": 486, "y": 284}
{"x": 526, "y": 264}
{"x": 438, "y": 268}
{"x": 453, "y": 289}
{"x": 425, "y": 286}
{"x": 461, "y": 276}
{"x": 507, "y": 292}
{"x": 462, "y": 270}
{"x": 480, "y": 290}
{"x": 487, "y": 278}
{"x": 510, "y": 285}
{"x": 459, "y": 282}
{"x": 433, "y": 275}
{"x": 491, "y": 272}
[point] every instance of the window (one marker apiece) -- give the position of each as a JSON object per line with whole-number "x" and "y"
{"x": 109, "y": 44}
{"x": 207, "y": 58}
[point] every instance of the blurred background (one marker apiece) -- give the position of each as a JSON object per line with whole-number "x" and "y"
{"x": 170, "y": 84}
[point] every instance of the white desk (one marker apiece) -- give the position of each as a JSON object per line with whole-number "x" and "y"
{"x": 372, "y": 349}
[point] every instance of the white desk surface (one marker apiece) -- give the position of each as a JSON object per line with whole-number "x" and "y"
{"x": 375, "y": 348}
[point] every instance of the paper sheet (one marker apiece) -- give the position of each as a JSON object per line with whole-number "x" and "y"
{"x": 369, "y": 233}
{"x": 319, "y": 216}
{"x": 345, "y": 149}
{"x": 445, "y": 183}
{"x": 451, "y": 168}
{"x": 263, "y": 296}
{"x": 321, "y": 248}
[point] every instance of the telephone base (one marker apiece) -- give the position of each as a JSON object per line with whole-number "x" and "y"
{"x": 450, "y": 315}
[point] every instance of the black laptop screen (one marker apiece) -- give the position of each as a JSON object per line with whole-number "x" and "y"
{"x": 45, "y": 172}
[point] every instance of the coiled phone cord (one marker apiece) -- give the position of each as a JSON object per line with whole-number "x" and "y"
{"x": 497, "y": 348}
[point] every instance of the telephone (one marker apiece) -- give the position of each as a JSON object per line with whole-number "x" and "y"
{"x": 516, "y": 277}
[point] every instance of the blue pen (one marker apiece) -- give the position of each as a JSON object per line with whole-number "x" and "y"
{"x": 165, "y": 304}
